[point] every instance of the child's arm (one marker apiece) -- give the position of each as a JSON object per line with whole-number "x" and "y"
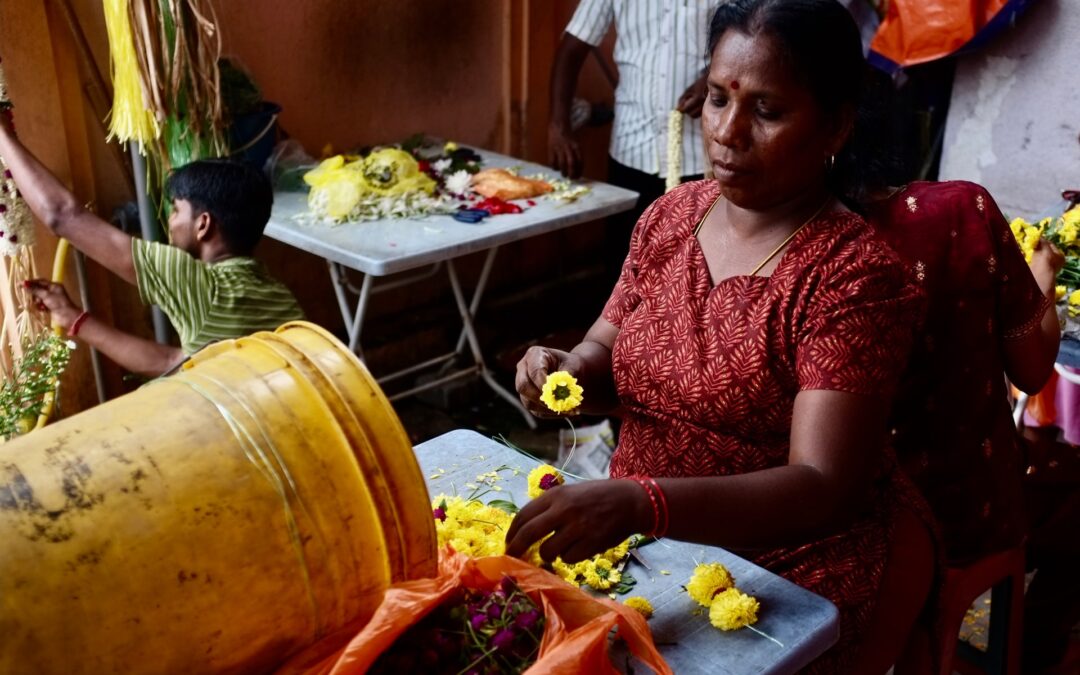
{"x": 61, "y": 212}
{"x": 136, "y": 354}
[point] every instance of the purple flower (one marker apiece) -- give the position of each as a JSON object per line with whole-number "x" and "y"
{"x": 503, "y": 640}
{"x": 440, "y": 514}
{"x": 477, "y": 620}
{"x": 507, "y": 586}
{"x": 494, "y": 610}
{"x": 527, "y": 619}
{"x": 548, "y": 481}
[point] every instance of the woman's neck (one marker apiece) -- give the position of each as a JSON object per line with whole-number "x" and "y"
{"x": 749, "y": 224}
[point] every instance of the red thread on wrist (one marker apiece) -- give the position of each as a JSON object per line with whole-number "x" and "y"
{"x": 77, "y": 323}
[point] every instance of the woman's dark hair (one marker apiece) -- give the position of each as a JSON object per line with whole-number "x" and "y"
{"x": 821, "y": 43}
{"x": 237, "y": 195}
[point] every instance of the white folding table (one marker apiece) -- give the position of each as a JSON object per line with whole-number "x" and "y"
{"x": 425, "y": 247}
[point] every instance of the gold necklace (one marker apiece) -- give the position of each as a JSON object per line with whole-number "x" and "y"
{"x": 782, "y": 244}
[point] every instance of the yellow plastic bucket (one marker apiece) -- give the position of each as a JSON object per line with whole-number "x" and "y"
{"x": 214, "y": 521}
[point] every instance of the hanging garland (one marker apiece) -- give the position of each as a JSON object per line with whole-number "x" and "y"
{"x": 32, "y": 357}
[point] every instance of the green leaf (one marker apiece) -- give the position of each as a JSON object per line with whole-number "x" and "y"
{"x": 504, "y": 505}
{"x": 625, "y": 584}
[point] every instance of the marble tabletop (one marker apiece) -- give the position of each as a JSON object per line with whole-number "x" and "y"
{"x": 383, "y": 247}
{"x": 799, "y": 624}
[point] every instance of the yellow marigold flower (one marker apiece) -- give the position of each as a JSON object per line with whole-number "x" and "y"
{"x": 470, "y": 527}
{"x": 600, "y": 574}
{"x": 561, "y": 392}
{"x": 640, "y": 604}
{"x": 733, "y": 609}
{"x": 1074, "y": 298}
{"x": 708, "y": 580}
{"x": 1072, "y": 217}
{"x": 542, "y": 479}
{"x": 1059, "y": 292}
{"x": 618, "y": 553}
{"x": 1068, "y": 233}
{"x": 450, "y": 147}
{"x": 1017, "y": 226}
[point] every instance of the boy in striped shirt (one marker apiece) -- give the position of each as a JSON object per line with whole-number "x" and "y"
{"x": 206, "y": 281}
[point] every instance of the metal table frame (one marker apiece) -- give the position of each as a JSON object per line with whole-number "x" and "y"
{"x": 418, "y": 250}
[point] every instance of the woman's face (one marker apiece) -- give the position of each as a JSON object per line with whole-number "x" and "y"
{"x": 767, "y": 138}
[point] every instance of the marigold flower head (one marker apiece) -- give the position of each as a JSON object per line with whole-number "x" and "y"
{"x": 543, "y": 478}
{"x": 561, "y": 392}
{"x": 733, "y": 609}
{"x": 640, "y": 604}
{"x": 1072, "y": 217}
{"x": 708, "y": 580}
{"x": 1074, "y": 298}
{"x": 1059, "y": 292}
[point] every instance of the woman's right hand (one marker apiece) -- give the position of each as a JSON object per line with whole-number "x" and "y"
{"x": 532, "y": 371}
{"x": 1046, "y": 262}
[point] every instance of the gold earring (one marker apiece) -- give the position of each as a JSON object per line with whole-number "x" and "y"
{"x": 830, "y": 163}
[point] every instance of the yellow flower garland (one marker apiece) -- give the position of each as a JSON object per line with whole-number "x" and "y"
{"x": 537, "y": 483}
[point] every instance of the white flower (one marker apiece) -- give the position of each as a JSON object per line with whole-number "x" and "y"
{"x": 458, "y": 182}
{"x": 442, "y": 164}
{"x": 70, "y": 344}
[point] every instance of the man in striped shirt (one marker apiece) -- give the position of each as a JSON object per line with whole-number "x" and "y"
{"x": 660, "y": 50}
{"x": 206, "y": 281}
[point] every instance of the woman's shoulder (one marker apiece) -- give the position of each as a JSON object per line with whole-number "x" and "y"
{"x": 920, "y": 199}
{"x": 678, "y": 210}
{"x": 843, "y": 244}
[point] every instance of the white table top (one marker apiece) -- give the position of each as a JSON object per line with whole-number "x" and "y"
{"x": 805, "y": 624}
{"x": 383, "y": 247}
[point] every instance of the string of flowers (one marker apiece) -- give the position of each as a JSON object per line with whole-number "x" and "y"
{"x": 674, "y": 150}
{"x": 476, "y": 529}
{"x": 712, "y": 586}
{"x": 22, "y": 395}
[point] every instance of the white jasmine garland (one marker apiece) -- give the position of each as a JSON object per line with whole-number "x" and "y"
{"x": 674, "y": 150}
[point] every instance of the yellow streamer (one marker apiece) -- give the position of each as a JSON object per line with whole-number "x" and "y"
{"x": 130, "y": 119}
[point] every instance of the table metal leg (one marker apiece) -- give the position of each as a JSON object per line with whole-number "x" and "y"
{"x": 474, "y": 345}
{"x": 354, "y": 322}
{"x": 478, "y": 293}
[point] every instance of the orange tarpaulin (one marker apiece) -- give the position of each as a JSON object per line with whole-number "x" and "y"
{"x": 917, "y": 31}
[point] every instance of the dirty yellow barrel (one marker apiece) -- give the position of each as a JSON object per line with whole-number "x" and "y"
{"x": 214, "y": 521}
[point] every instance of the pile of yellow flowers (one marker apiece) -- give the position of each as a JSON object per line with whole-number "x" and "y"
{"x": 712, "y": 586}
{"x": 477, "y": 530}
{"x": 342, "y": 184}
{"x": 1064, "y": 233}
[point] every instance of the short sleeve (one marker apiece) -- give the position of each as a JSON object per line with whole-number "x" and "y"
{"x": 626, "y": 295}
{"x": 591, "y": 20}
{"x": 859, "y": 326}
{"x": 173, "y": 280}
{"x": 1020, "y": 303}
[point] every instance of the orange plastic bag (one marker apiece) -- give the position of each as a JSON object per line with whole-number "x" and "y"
{"x": 575, "y": 634}
{"x": 917, "y": 31}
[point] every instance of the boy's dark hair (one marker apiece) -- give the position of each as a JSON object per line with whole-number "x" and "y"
{"x": 237, "y": 195}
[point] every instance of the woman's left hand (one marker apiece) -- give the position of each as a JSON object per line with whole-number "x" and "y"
{"x": 583, "y": 519}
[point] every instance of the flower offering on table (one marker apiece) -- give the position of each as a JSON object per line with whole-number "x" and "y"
{"x": 416, "y": 179}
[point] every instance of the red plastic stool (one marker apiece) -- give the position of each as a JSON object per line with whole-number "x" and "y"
{"x": 1003, "y": 573}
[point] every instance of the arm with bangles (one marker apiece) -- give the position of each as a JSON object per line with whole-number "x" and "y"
{"x": 825, "y": 483}
{"x": 138, "y": 355}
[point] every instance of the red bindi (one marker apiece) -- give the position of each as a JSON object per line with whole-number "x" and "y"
{"x": 734, "y": 84}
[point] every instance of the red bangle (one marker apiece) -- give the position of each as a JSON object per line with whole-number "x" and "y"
{"x": 73, "y": 330}
{"x": 662, "y": 530}
{"x": 659, "y": 505}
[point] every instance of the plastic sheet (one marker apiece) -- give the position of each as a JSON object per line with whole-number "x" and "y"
{"x": 918, "y": 31}
{"x": 575, "y": 637}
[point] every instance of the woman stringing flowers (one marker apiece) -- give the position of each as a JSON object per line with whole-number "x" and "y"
{"x": 753, "y": 343}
